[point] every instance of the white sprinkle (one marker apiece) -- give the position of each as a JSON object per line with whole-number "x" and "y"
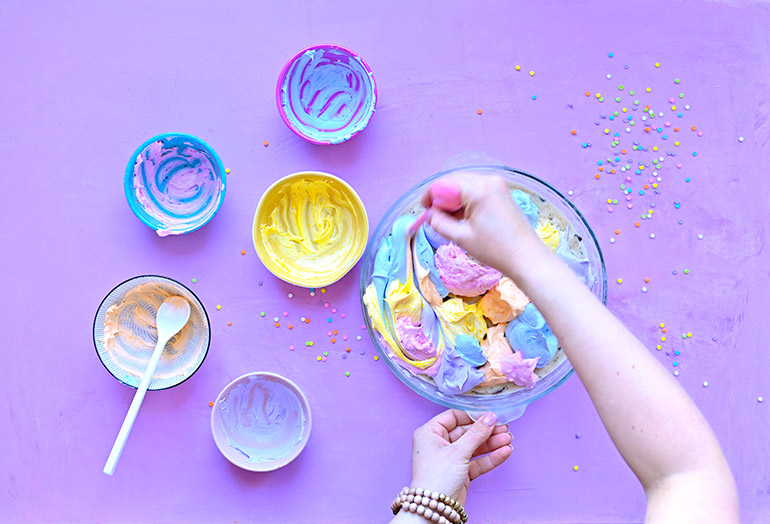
{"x": 312, "y": 293}
{"x": 644, "y": 290}
{"x": 609, "y": 75}
{"x": 740, "y": 139}
{"x": 676, "y": 373}
{"x": 652, "y": 235}
{"x": 687, "y": 106}
{"x": 302, "y": 319}
{"x": 358, "y": 337}
{"x": 275, "y": 319}
{"x": 612, "y": 240}
{"x": 291, "y": 295}
{"x": 700, "y": 237}
{"x": 705, "y": 384}
{"x": 760, "y": 399}
{"x": 570, "y": 193}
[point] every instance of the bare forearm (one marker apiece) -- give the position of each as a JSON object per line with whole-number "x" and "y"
{"x": 654, "y": 424}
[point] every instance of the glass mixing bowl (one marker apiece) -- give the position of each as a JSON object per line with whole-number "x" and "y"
{"x": 508, "y": 405}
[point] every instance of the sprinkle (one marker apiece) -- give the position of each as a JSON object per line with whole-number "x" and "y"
{"x": 347, "y": 349}
{"x": 675, "y": 363}
{"x": 676, "y": 80}
{"x": 347, "y": 373}
{"x": 658, "y": 347}
{"x": 740, "y": 139}
{"x": 578, "y": 435}
{"x": 261, "y": 313}
{"x": 700, "y": 237}
{"x": 479, "y": 111}
{"x": 676, "y": 373}
{"x": 326, "y": 353}
{"x": 211, "y": 404}
{"x": 576, "y": 468}
{"x": 358, "y": 337}
{"x": 610, "y": 55}
{"x": 588, "y": 93}
{"x": 318, "y": 358}
{"x": 277, "y": 324}
{"x": 534, "y": 97}
{"x": 227, "y": 171}
{"x": 531, "y": 73}
{"x": 286, "y": 313}
{"x": 705, "y": 384}
{"x": 229, "y": 323}
{"x": 291, "y": 327}
{"x": 219, "y": 307}
{"x": 290, "y": 295}
{"x": 291, "y": 348}
{"x": 620, "y": 281}
{"x": 760, "y": 399}
{"x": 662, "y": 339}
{"x": 275, "y": 319}
{"x": 334, "y": 341}
{"x": 686, "y": 271}
{"x": 644, "y": 289}
{"x": 265, "y": 143}
{"x": 194, "y": 280}
{"x": 657, "y": 64}
{"x": 518, "y": 68}
{"x": 684, "y": 335}
{"x": 243, "y": 252}
{"x": 689, "y": 335}
{"x": 307, "y": 321}
{"x": 312, "y": 293}
{"x": 652, "y": 235}
{"x": 574, "y": 132}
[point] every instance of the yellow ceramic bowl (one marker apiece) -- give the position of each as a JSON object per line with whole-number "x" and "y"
{"x": 310, "y": 228}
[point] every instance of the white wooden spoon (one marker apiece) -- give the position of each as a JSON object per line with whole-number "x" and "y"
{"x": 172, "y": 316}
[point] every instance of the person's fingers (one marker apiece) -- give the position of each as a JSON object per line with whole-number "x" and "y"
{"x": 449, "y": 226}
{"x": 494, "y": 442}
{"x": 448, "y": 420}
{"x": 459, "y": 431}
{"x": 488, "y": 462}
{"x": 476, "y": 435}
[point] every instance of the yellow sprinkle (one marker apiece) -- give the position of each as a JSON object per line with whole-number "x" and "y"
{"x": 662, "y": 339}
{"x": 606, "y": 131}
{"x": 620, "y": 281}
{"x": 323, "y": 290}
{"x": 689, "y": 335}
{"x": 662, "y": 325}
{"x": 227, "y": 171}
{"x": 676, "y": 143}
{"x": 649, "y": 89}
{"x": 319, "y": 359}
{"x": 658, "y": 347}
{"x": 598, "y": 95}
{"x": 531, "y": 73}
{"x": 624, "y": 110}
{"x": 641, "y": 168}
{"x": 518, "y": 68}
{"x": 657, "y": 64}
{"x": 655, "y": 185}
{"x": 654, "y": 148}
{"x": 576, "y": 468}
{"x": 219, "y": 307}
{"x": 673, "y": 108}
{"x": 376, "y": 357}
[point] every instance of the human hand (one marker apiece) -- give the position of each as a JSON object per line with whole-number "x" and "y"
{"x": 489, "y": 225}
{"x": 450, "y": 450}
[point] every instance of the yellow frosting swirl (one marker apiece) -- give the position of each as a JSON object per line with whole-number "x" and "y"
{"x": 458, "y": 317}
{"x": 313, "y": 228}
{"x": 548, "y": 234}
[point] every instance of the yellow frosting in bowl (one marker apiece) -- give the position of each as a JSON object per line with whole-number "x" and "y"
{"x": 310, "y": 228}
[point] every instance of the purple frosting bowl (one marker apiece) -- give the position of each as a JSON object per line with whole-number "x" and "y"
{"x": 326, "y": 94}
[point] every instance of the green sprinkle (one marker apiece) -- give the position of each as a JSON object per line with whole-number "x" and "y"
{"x": 620, "y": 87}
{"x": 617, "y": 99}
{"x": 195, "y": 280}
{"x": 261, "y": 313}
{"x": 347, "y": 373}
{"x": 676, "y": 80}
{"x": 684, "y": 335}
{"x": 326, "y": 353}
{"x": 681, "y": 95}
{"x": 686, "y": 271}
{"x": 632, "y": 93}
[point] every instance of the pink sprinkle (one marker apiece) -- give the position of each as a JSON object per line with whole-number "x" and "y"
{"x": 628, "y": 197}
{"x": 630, "y": 206}
{"x": 286, "y": 313}
{"x": 670, "y": 100}
{"x": 700, "y": 133}
{"x": 343, "y": 315}
{"x": 323, "y": 359}
{"x": 609, "y": 208}
{"x": 329, "y": 333}
{"x": 291, "y": 348}
{"x": 326, "y": 304}
{"x": 363, "y": 326}
{"x": 344, "y": 337}
{"x": 334, "y": 310}
{"x": 668, "y": 124}
{"x": 628, "y": 179}
{"x": 679, "y": 165}
{"x": 652, "y": 180}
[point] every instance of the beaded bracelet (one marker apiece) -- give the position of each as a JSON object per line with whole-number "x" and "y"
{"x": 432, "y": 505}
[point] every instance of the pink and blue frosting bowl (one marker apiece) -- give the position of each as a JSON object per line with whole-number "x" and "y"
{"x": 326, "y": 94}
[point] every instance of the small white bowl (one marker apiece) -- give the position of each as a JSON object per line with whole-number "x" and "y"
{"x": 235, "y": 447}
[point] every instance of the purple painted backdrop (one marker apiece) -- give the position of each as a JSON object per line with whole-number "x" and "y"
{"x": 83, "y": 85}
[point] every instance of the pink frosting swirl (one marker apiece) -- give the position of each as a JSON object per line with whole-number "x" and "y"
{"x": 461, "y": 275}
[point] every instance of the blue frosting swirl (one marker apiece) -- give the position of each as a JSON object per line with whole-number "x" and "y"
{"x": 425, "y": 256}
{"x": 469, "y": 348}
{"x": 455, "y": 375}
{"x": 524, "y": 201}
{"x": 530, "y": 334}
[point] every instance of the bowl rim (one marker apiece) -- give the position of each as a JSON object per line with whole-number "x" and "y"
{"x": 205, "y": 315}
{"x": 356, "y": 200}
{"x": 282, "y": 78}
{"x": 295, "y": 451}
{"x": 138, "y": 208}
{"x": 457, "y": 402}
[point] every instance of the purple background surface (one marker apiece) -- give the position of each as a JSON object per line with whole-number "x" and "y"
{"x": 83, "y": 85}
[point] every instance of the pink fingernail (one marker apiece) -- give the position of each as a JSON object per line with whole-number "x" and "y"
{"x": 489, "y": 419}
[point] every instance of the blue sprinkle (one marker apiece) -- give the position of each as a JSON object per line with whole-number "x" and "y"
{"x": 610, "y": 55}
{"x": 675, "y": 363}
{"x": 534, "y": 97}
{"x": 259, "y": 283}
